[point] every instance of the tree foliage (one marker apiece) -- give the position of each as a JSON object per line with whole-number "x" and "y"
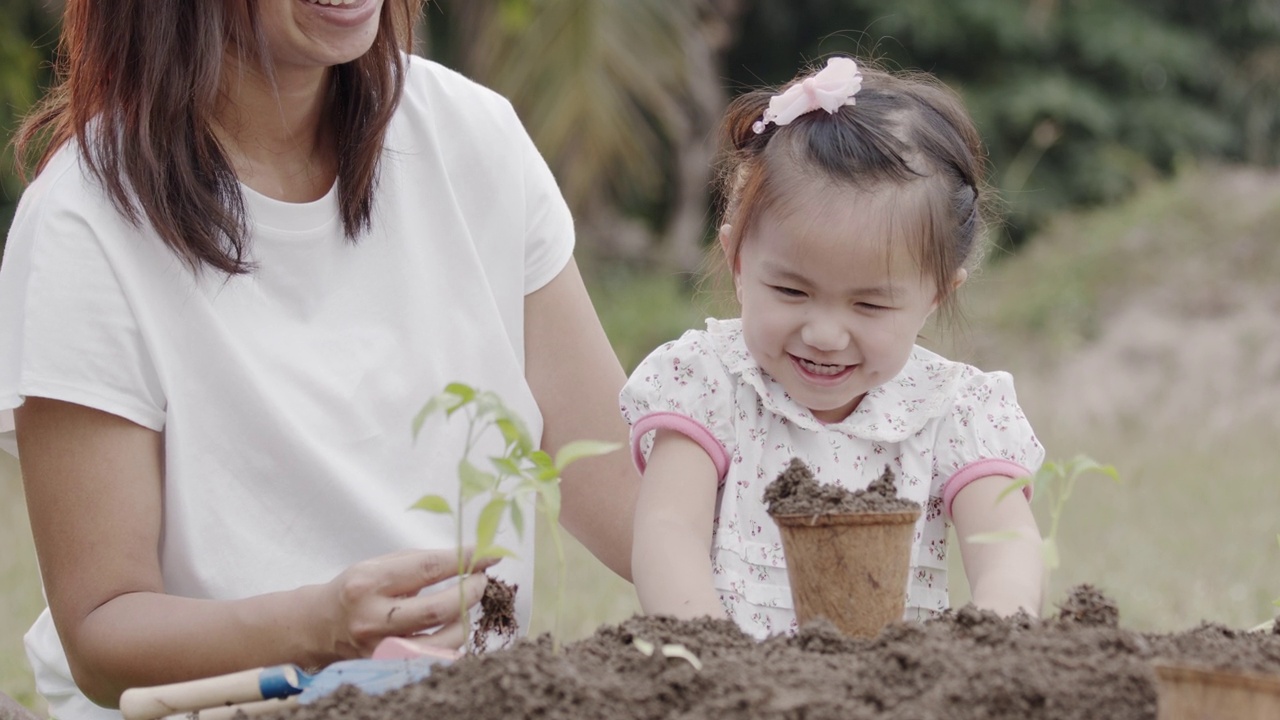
{"x": 27, "y": 37}
{"x": 1078, "y": 100}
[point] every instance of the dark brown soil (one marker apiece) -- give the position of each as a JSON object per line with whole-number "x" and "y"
{"x": 497, "y": 625}
{"x": 796, "y": 492}
{"x": 966, "y": 665}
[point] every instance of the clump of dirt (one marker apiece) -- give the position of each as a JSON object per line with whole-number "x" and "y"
{"x": 967, "y": 664}
{"x": 796, "y": 492}
{"x": 1088, "y": 606}
{"x": 498, "y": 615}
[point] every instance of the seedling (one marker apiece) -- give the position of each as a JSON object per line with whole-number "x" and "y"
{"x": 1054, "y": 481}
{"x": 522, "y": 470}
{"x": 1269, "y": 625}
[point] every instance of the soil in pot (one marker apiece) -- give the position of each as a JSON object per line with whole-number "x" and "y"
{"x": 848, "y": 552}
{"x": 965, "y": 665}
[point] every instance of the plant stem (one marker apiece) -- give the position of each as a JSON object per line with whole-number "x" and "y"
{"x": 560, "y": 571}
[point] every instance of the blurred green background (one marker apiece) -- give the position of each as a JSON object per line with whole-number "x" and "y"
{"x": 1132, "y": 291}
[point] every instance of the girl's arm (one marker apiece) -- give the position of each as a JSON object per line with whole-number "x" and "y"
{"x": 94, "y": 491}
{"x": 1005, "y": 576}
{"x": 675, "y": 515}
{"x": 576, "y": 377}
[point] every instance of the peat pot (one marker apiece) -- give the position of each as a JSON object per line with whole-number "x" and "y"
{"x": 1186, "y": 692}
{"x": 851, "y": 569}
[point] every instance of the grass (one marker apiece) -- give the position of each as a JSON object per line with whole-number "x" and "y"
{"x": 20, "y": 597}
{"x": 1189, "y": 535}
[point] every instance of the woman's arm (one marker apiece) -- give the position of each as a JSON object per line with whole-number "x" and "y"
{"x": 1005, "y": 576}
{"x": 675, "y": 516}
{"x": 576, "y": 377}
{"x": 94, "y": 491}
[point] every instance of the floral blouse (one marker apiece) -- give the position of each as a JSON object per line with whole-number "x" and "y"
{"x": 938, "y": 425}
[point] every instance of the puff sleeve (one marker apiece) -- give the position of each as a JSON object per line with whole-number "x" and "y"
{"x": 681, "y": 386}
{"x": 985, "y": 433}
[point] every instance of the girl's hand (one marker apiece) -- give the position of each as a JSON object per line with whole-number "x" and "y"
{"x": 382, "y": 597}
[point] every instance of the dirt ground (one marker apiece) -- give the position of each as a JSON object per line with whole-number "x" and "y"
{"x": 969, "y": 664}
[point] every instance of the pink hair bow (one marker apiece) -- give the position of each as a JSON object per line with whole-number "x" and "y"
{"x": 830, "y": 89}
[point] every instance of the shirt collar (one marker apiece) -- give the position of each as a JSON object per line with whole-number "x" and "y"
{"x": 892, "y": 412}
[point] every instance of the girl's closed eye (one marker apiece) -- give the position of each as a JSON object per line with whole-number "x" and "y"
{"x": 872, "y": 307}
{"x": 789, "y": 291}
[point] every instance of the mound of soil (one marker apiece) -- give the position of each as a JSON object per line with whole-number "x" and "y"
{"x": 966, "y": 664}
{"x": 796, "y": 492}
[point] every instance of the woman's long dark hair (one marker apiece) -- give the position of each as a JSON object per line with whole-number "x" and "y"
{"x": 138, "y": 83}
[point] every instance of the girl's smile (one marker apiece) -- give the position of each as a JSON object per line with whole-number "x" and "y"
{"x": 832, "y": 296}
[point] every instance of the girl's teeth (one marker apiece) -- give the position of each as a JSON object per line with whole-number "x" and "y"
{"x": 819, "y": 369}
{"x": 331, "y": 2}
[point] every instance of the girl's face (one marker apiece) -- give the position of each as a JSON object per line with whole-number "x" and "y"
{"x": 832, "y": 302}
{"x": 312, "y": 35}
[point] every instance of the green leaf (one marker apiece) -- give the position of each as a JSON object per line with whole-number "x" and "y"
{"x": 460, "y": 395}
{"x": 506, "y": 466}
{"x": 1014, "y": 486}
{"x": 542, "y": 460}
{"x": 517, "y": 519}
{"x": 492, "y": 551}
{"x": 454, "y": 396}
{"x": 578, "y": 449}
{"x": 991, "y": 538}
{"x": 514, "y": 434}
{"x": 487, "y": 523}
{"x": 433, "y": 504}
{"x": 473, "y": 480}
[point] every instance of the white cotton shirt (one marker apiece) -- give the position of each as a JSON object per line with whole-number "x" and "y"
{"x": 938, "y": 422}
{"x": 286, "y": 396}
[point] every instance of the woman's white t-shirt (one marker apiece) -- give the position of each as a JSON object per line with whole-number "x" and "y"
{"x": 286, "y": 396}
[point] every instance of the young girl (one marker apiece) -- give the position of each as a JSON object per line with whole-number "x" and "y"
{"x": 853, "y": 202}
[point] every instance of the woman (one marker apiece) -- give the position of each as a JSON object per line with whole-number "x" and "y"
{"x": 260, "y": 237}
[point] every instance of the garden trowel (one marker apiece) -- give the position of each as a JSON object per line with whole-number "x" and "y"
{"x": 276, "y": 687}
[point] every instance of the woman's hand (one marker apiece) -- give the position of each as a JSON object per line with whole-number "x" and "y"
{"x": 378, "y": 598}
{"x": 93, "y": 486}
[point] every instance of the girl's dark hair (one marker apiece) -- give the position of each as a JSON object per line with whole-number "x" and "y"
{"x": 905, "y": 128}
{"x": 138, "y": 82}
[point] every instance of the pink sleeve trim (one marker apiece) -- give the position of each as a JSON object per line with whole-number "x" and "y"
{"x": 977, "y": 470}
{"x": 685, "y": 426}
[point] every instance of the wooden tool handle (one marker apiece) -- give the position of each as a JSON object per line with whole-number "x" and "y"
{"x": 150, "y": 703}
{"x": 227, "y": 712}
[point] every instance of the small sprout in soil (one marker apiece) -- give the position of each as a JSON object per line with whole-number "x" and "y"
{"x": 671, "y": 650}
{"x": 1054, "y": 481}
{"x": 1270, "y": 625}
{"x": 520, "y": 471}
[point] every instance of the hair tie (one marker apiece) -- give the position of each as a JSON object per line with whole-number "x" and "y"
{"x": 830, "y": 89}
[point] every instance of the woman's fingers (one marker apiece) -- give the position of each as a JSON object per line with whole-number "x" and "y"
{"x": 410, "y": 571}
{"x": 416, "y": 613}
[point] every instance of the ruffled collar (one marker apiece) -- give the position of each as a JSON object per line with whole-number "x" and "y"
{"x": 925, "y": 389}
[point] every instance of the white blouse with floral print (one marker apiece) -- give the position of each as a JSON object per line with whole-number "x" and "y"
{"x": 939, "y": 425}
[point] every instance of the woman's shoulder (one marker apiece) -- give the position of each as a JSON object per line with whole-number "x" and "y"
{"x": 430, "y": 86}
{"x": 64, "y": 187}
